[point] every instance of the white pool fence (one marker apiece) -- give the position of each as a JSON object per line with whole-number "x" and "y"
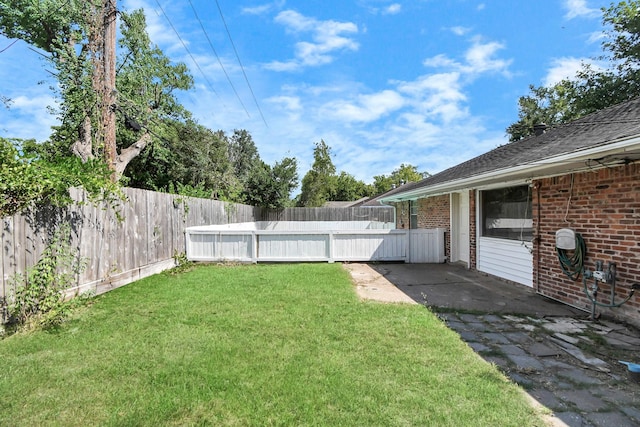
{"x": 309, "y": 241}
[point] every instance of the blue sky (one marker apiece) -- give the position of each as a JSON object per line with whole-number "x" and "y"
{"x": 430, "y": 83}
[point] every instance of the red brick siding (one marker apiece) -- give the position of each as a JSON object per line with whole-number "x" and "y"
{"x": 604, "y": 207}
{"x": 435, "y": 212}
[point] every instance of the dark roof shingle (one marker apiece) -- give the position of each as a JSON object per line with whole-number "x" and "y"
{"x": 597, "y": 129}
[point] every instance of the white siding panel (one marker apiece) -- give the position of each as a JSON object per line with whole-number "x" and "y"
{"x": 508, "y": 259}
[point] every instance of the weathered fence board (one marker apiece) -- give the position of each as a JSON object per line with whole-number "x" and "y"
{"x": 145, "y": 241}
{"x": 378, "y": 214}
{"x": 115, "y": 251}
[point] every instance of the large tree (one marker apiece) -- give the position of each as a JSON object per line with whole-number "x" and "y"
{"x": 271, "y": 187}
{"x": 401, "y": 175}
{"x": 319, "y": 183}
{"x": 348, "y": 188}
{"x": 592, "y": 88}
{"x": 74, "y": 34}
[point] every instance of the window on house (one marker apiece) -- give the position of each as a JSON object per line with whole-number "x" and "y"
{"x": 413, "y": 214}
{"x": 506, "y": 213}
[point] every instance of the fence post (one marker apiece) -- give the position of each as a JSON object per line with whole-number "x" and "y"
{"x": 254, "y": 246}
{"x": 331, "y": 247}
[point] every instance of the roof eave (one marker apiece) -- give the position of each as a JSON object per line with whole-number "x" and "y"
{"x": 551, "y": 166}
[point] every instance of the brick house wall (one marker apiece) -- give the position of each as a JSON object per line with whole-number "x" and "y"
{"x": 433, "y": 212}
{"x": 604, "y": 207}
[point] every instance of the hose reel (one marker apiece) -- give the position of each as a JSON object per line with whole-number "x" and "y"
{"x": 572, "y": 265}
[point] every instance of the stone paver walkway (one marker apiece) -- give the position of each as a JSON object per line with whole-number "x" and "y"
{"x": 564, "y": 361}
{"x": 583, "y": 388}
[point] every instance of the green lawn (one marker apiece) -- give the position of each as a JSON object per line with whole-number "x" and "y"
{"x": 259, "y": 345}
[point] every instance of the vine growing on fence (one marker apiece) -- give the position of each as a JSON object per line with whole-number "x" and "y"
{"x": 38, "y": 298}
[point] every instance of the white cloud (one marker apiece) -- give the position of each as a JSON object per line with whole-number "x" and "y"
{"x": 437, "y": 96}
{"x": 289, "y": 103}
{"x": 264, "y": 8}
{"x": 579, "y": 9}
{"x": 460, "y": 31}
{"x": 365, "y": 108}
{"x": 327, "y": 38}
{"x": 562, "y": 68}
{"x": 481, "y": 58}
{"x": 478, "y": 59}
{"x": 566, "y": 68}
{"x": 596, "y": 37}
{"x": 392, "y": 9}
{"x": 34, "y": 120}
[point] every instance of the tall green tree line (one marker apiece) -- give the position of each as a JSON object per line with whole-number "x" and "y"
{"x": 322, "y": 184}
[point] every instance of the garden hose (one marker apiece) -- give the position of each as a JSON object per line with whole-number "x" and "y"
{"x": 572, "y": 265}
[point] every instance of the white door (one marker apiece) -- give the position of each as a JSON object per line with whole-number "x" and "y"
{"x": 460, "y": 227}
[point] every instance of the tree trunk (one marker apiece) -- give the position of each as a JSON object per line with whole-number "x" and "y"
{"x": 109, "y": 89}
{"x": 129, "y": 153}
{"x": 83, "y": 147}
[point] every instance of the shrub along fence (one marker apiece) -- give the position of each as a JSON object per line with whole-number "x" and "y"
{"x": 140, "y": 237}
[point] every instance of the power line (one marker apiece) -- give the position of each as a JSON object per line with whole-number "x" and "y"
{"x": 12, "y": 43}
{"x": 218, "y": 58}
{"x": 189, "y": 52}
{"x": 240, "y": 62}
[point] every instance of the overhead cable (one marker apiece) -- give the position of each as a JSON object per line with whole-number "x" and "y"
{"x": 12, "y": 43}
{"x": 218, "y": 58}
{"x": 240, "y": 62}
{"x": 189, "y": 52}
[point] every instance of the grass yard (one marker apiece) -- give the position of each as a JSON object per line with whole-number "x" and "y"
{"x": 252, "y": 345}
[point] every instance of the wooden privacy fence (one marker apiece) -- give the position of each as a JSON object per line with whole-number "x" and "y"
{"x": 116, "y": 251}
{"x": 330, "y": 245}
{"x": 144, "y": 241}
{"x": 382, "y": 214}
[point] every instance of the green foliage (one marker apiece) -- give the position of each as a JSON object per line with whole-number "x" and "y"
{"x": 187, "y": 156}
{"x": 405, "y": 173}
{"x": 147, "y": 83}
{"x": 26, "y": 179}
{"x": 38, "y": 299}
{"x": 319, "y": 183}
{"x": 348, "y": 188}
{"x": 182, "y": 264}
{"x": 271, "y": 187}
{"x": 165, "y": 150}
{"x": 146, "y": 79}
{"x": 243, "y": 155}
